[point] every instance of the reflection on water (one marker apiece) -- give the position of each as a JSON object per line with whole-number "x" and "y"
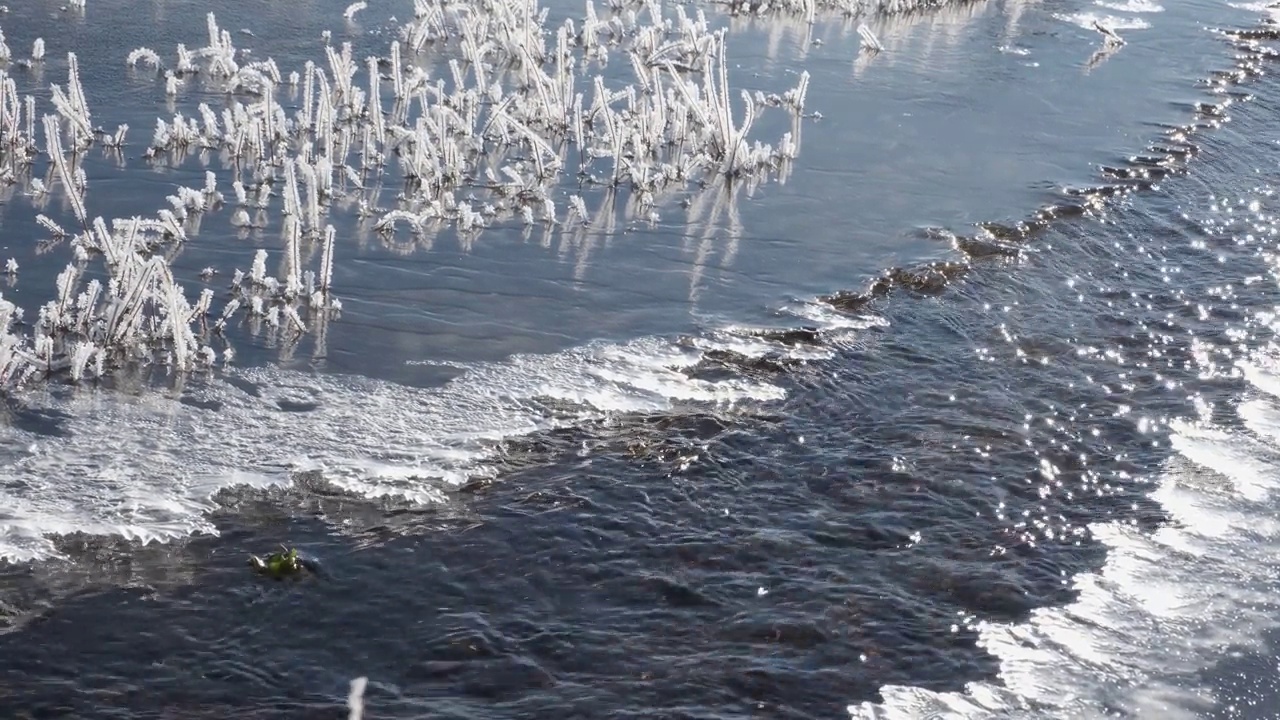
{"x": 714, "y": 225}
{"x": 913, "y": 37}
{"x": 1102, "y": 55}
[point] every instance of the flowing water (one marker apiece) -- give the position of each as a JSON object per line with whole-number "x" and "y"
{"x": 720, "y": 463}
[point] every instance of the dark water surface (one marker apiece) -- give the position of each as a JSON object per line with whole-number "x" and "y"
{"x": 1032, "y": 484}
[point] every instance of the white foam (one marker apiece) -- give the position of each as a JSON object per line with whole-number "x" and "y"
{"x": 1264, "y": 7}
{"x": 828, "y": 318}
{"x": 1133, "y": 6}
{"x": 1164, "y": 606}
{"x": 1111, "y": 22}
{"x": 1263, "y": 418}
{"x": 1242, "y": 462}
{"x": 747, "y": 342}
{"x": 1261, "y": 377}
{"x": 145, "y": 467}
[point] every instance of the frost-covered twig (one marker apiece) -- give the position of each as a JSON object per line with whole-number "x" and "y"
{"x": 353, "y": 8}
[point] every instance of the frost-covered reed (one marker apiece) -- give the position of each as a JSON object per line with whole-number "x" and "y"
{"x": 848, "y": 8}
{"x": 355, "y": 698}
{"x": 142, "y": 314}
{"x": 518, "y": 106}
{"x": 869, "y": 40}
{"x": 502, "y": 132}
{"x": 18, "y": 147}
{"x": 353, "y": 8}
